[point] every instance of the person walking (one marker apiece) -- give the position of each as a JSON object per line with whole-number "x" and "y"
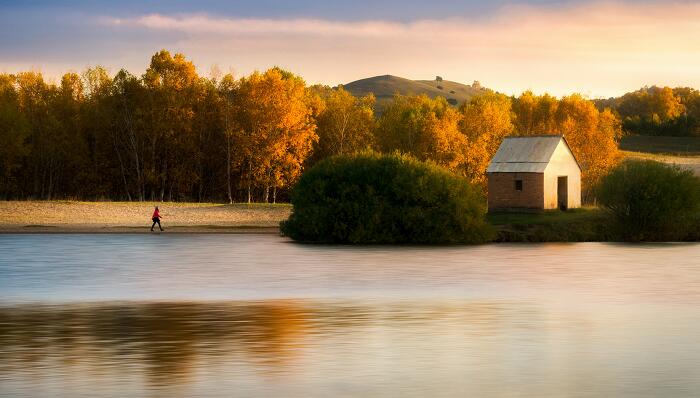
{"x": 156, "y": 219}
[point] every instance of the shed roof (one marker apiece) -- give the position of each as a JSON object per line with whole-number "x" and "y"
{"x": 529, "y": 154}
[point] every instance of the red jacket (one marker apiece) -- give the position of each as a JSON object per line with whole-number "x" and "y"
{"x": 156, "y": 214}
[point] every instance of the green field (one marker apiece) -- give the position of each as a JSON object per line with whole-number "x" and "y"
{"x": 687, "y": 162}
{"x": 682, "y": 151}
{"x": 685, "y": 146}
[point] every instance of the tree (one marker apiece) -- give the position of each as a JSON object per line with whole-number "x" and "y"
{"x": 375, "y": 198}
{"x": 593, "y": 135}
{"x": 650, "y": 200}
{"x": 227, "y": 92}
{"x": 486, "y": 120}
{"x": 345, "y": 125}
{"x": 127, "y": 110}
{"x": 657, "y": 111}
{"x": 35, "y": 100}
{"x": 425, "y": 128}
{"x": 173, "y": 89}
{"x": 535, "y": 115}
{"x": 275, "y": 129}
{"x": 14, "y": 130}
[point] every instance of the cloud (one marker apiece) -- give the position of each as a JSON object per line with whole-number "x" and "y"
{"x": 600, "y": 49}
{"x": 203, "y": 24}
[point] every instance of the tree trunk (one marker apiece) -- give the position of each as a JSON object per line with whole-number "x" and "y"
{"x": 250, "y": 179}
{"x": 121, "y": 167}
{"x": 274, "y": 193}
{"x": 228, "y": 168}
{"x": 163, "y": 179}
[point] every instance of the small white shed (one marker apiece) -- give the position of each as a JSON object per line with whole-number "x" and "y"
{"x": 534, "y": 172}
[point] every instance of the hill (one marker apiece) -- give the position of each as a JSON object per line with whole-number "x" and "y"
{"x": 384, "y": 88}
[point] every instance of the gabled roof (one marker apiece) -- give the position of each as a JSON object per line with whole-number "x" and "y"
{"x": 529, "y": 154}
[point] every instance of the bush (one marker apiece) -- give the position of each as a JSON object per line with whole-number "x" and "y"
{"x": 375, "y": 198}
{"x": 651, "y": 201}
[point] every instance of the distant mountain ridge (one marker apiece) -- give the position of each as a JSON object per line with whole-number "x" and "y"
{"x": 385, "y": 87}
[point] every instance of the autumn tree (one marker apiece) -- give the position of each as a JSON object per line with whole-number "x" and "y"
{"x": 275, "y": 130}
{"x": 485, "y": 120}
{"x": 657, "y": 111}
{"x": 127, "y": 114}
{"x": 14, "y": 130}
{"x": 35, "y": 98}
{"x": 227, "y": 88}
{"x": 173, "y": 89}
{"x": 592, "y": 134}
{"x": 345, "y": 123}
{"x": 97, "y": 133}
{"x": 425, "y": 128}
{"x": 535, "y": 115}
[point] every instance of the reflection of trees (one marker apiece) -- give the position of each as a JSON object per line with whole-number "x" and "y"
{"x": 163, "y": 338}
{"x": 168, "y": 342}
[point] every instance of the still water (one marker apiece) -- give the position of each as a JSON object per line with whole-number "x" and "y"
{"x": 258, "y": 316}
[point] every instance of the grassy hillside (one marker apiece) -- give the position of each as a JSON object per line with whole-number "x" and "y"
{"x": 686, "y": 162}
{"x": 683, "y": 151}
{"x": 384, "y": 88}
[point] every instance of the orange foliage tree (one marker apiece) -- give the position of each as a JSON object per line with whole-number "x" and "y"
{"x": 275, "y": 129}
{"x": 345, "y": 123}
{"x": 592, "y": 134}
{"x": 425, "y": 128}
{"x": 485, "y": 120}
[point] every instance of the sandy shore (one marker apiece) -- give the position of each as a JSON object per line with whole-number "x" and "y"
{"x": 126, "y": 217}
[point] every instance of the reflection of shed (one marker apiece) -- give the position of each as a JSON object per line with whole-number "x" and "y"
{"x": 535, "y": 172}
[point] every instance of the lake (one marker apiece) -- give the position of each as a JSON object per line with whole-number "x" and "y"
{"x": 259, "y": 316}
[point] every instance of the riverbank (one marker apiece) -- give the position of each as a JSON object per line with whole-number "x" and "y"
{"x": 587, "y": 224}
{"x": 131, "y": 217}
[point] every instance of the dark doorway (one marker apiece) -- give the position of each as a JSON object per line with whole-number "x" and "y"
{"x": 563, "y": 192}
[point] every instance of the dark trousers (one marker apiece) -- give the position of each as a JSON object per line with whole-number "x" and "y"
{"x": 156, "y": 221}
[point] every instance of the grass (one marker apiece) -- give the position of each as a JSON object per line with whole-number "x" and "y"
{"x": 679, "y": 146}
{"x": 544, "y": 217}
{"x": 687, "y": 162}
{"x": 586, "y": 224}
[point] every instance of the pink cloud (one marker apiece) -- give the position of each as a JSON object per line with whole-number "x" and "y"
{"x": 599, "y": 49}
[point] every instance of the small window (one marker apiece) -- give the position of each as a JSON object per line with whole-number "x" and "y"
{"x": 518, "y": 185}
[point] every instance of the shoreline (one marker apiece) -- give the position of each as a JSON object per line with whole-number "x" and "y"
{"x": 6, "y": 229}
{"x": 67, "y": 217}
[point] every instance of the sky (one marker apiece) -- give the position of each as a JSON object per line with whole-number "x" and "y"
{"x": 596, "y": 48}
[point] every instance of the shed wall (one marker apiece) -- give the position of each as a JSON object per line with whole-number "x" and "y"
{"x": 503, "y": 195}
{"x": 562, "y": 164}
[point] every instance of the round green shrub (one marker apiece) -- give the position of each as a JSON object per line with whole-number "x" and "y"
{"x": 376, "y": 198}
{"x": 651, "y": 201}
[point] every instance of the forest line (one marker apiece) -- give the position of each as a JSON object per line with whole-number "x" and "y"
{"x": 173, "y": 135}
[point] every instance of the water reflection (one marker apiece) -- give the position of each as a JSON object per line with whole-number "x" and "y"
{"x": 340, "y": 348}
{"x": 165, "y": 339}
{"x": 254, "y": 316}
{"x": 177, "y": 343}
